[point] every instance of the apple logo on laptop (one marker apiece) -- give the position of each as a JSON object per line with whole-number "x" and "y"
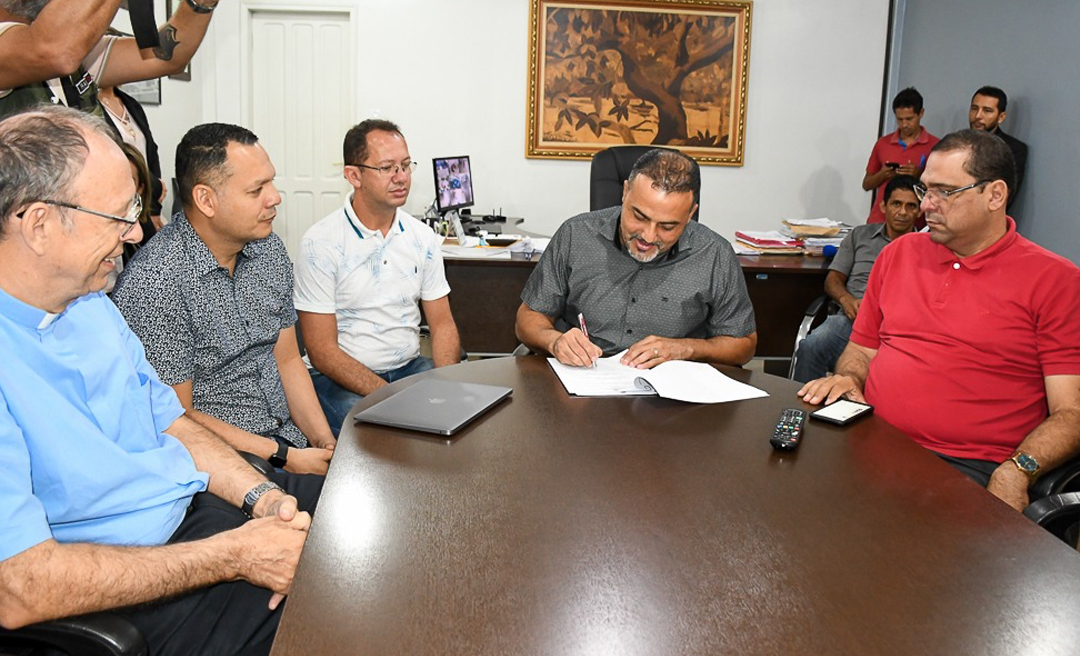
{"x": 436, "y": 400}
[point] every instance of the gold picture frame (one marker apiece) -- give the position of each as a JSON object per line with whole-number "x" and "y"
{"x": 669, "y": 73}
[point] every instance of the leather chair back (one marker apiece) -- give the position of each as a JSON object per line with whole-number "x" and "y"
{"x": 610, "y": 169}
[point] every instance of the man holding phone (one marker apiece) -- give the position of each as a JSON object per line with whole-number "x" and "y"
{"x": 902, "y": 152}
{"x": 968, "y": 337}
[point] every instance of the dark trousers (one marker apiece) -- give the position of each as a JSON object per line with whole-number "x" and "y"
{"x": 227, "y": 619}
{"x": 977, "y": 470}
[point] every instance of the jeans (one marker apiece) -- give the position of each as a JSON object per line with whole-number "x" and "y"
{"x": 336, "y": 401}
{"x": 821, "y": 349}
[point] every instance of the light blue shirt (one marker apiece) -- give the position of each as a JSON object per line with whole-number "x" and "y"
{"x": 82, "y": 454}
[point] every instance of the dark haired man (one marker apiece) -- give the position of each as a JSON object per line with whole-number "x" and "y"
{"x": 648, "y": 279}
{"x": 55, "y": 51}
{"x": 903, "y": 152}
{"x": 987, "y": 112}
{"x": 968, "y": 338}
{"x": 110, "y": 496}
{"x": 210, "y": 296}
{"x": 363, "y": 273}
{"x": 848, "y": 274}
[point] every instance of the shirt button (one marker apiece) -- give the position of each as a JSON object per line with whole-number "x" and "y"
{"x": 629, "y": 330}
{"x": 633, "y": 300}
{"x": 956, "y": 265}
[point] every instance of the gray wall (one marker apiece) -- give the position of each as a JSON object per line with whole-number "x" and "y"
{"x": 1029, "y": 49}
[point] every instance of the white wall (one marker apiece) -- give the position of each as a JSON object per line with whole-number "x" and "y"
{"x": 814, "y": 97}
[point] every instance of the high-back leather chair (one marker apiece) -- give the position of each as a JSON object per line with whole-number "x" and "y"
{"x": 610, "y": 169}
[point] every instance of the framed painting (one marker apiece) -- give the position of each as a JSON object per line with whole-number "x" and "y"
{"x": 670, "y": 73}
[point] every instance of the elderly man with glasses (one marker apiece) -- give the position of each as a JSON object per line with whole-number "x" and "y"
{"x": 361, "y": 272}
{"x": 968, "y": 338}
{"x": 111, "y": 497}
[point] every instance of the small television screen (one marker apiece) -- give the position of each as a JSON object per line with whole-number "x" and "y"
{"x": 453, "y": 183}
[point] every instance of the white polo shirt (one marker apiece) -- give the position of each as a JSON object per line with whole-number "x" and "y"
{"x": 372, "y": 283}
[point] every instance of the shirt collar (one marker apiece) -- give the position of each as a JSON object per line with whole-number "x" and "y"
{"x": 979, "y": 260}
{"x": 24, "y": 314}
{"x": 203, "y": 260}
{"x": 923, "y": 137}
{"x": 31, "y": 317}
{"x": 879, "y": 231}
{"x": 362, "y": 231}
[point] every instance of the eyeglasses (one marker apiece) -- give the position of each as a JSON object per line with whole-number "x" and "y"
{"x": 129, "y": 220}
{"x": 941, "y": 195}
{"x": 391, "y": 169}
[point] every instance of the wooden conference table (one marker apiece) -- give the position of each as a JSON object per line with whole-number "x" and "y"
{"x": 560, "y": 525}
{"x": 485, "y": 295}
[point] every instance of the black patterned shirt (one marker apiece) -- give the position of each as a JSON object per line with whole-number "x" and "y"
{"x": 696, "y": 289}
{"x": 199, "y": 323}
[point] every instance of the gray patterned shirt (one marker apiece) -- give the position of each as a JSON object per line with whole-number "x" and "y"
{"x": 857, "y": 254}
{"x": 696, "y": 289}
{"x": 199, "y": 323}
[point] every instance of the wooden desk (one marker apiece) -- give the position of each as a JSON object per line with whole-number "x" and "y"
{"x": 559, "y": 525}
{"x": 485, "y": 295}
{"x": 781, "y": 287}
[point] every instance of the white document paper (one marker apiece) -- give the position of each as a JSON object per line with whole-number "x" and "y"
{"x": 692, "y": 382}
{"x": 814, "y": 223}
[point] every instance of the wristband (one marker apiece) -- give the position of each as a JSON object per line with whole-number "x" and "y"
{"x": 256, "y": 493}
{"x": 201, "y": 9}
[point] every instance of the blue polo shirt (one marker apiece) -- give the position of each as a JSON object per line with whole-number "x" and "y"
{"x": 82, "y": 454}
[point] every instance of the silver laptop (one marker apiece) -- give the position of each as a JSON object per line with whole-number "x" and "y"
{"x": 434, "y": 406}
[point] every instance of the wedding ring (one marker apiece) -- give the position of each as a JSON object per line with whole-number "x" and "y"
{"x": 656, "y": 353}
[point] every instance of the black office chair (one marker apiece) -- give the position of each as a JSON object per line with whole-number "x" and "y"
{"x": 1063, "y": 479}
{"x": 95, "y": 634}
{"x": 816, "y": 313}
{"x": 610, "y": 169}
{"x": 1059, "y": 514}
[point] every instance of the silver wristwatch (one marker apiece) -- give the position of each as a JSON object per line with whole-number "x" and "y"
{"x": 255, "y": 493}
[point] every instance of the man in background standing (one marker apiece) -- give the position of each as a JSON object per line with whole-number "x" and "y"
{"x": 987, "y": 112}
{"x": 903, "y": 152}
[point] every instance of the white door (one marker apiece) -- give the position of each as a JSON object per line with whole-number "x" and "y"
{"x": 298, "y": 97}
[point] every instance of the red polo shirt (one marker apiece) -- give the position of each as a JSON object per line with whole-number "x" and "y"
{"x": 963, "y": 344}
{"x": 890, "y": 149}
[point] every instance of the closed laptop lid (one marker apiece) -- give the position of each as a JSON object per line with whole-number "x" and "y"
{"x": 434, "y": 406}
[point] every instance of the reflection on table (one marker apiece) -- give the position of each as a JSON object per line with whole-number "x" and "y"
{"x": 561, "y": 525}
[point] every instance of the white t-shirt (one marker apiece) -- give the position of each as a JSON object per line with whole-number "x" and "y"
{"x": 372, "y": 283}
{"x": 94, "y": 63}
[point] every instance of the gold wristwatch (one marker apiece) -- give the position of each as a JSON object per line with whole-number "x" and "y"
{"x": 1026, "y": 463}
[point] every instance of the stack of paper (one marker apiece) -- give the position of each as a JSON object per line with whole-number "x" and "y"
{"x": 693, "y": 382}
{"x": 816, "y": 245}
{"x": 768, "y": 242}
{"x": 800, "y": 228}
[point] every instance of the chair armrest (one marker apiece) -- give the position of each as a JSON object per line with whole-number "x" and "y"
{"x": 815, "y": 313}
{"x": 1064, "y": 478}
{"x": 1059, "y": 514}
{"x": 261, "y": 465}
{"x": 97, "y": 634}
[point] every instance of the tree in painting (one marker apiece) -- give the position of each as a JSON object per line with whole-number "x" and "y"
{"x": 615, "y": 76}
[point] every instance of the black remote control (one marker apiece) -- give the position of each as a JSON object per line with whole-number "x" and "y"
{"x": 789, "y": 430}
